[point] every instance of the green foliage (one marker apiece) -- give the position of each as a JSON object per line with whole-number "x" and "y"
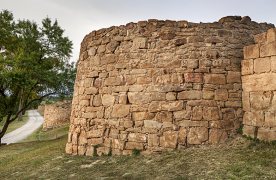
{"x": 240, "y": 129}
{"x": 136, "y": 152}
{"x": 34, "y": 64}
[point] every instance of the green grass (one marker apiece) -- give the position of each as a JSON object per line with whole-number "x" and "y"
{"x": 41, "y": 135}
{"x": 15, "y": 124}
{"x": 242, "y": 159}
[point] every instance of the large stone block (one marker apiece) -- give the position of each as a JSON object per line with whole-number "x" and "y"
{"x": 211, "y": 113}
{"x": 137, "y": 137}
{"x": 233, "y": 77}
{"x": 217, "y": 136}
{"x": 140, "y": 43}
{"x": 247, "y": 66}
{"x": 134, "y": 145}
{"x": 192, "y": 94}
{"x": 197, "y": 113}
{"x": 172, "y": 106}
{"x": 268, "y": 49}
{"x": 120, "y": 110}
{"x": 152, "y": 124}
{"x": 273, "y": 63}
{"x": 270, "y": 119}
{"x": 214, "y": 79}
{"x": 197, "y": 135}
{"x": 193, "y": 77}
{"x": 153, "y": 140}
{"x": 259, "y": 82}
{"x": 260, "y": 38}
{"x": 260, "y": 100}
{"x": 271, "y": 35}
{"x": 262, "y": 65}
{"x": 108, "y": 100}
{"x": 266, "y": 134}
{"x": 221, "y": 94}
{"x": 252, "y": 51}
{"x": 249, "y": 131}
{"x": 169, "y": 139}
{"x": 139, "y": 97}
{"x": 113, "y": 81}
{"x": 255, "y": 118}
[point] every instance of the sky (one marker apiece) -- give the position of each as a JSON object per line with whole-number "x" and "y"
{"x": 79, "y": 17}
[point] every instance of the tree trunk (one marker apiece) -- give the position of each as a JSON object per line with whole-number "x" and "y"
{"x": 5, "y": 127}
{"x": 20, "y": 106}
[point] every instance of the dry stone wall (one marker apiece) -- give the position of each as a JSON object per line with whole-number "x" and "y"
{"x": 259, "y": 87}
{"x": 56, "y": 114}
{"x": 157, "y": 85}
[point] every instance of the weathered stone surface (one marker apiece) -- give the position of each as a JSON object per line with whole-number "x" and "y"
{"x": 193, "y": 77}
{"x": 172, "y": 106}
{"x": 268, "y": 49}
{"x": 251, "y": 52}
{"x": 266, "y": 134}
{"x": 56, "y": 114}
{"x": 197, "y": 113}
{"x": 120, "y": 110}
{"x": 139, "y": 43}
{"x": 259, "y": 82}
{"x": 169, "y": 139}
{"x": 197, "y": 135}
{"x": 153, "y": 140}
{"x": 262, "y": 65}
{"x": 215, "y": 79}
{"x": 152, "y": 124}
{"x": 271, "y": 35}
{"x": 217, "y": 136}
{"x": 221, "y": 94}
{"x": 156, "y": 85}
{"x": 211, "y": 113}
{"x": 134, "y": 145}
{"x": 260, "y": 100}
{"x": 108, "y": 100}
{"x": 192, "y": 94}
{"x": 233, "y": 77}
{"x": 247, "y": 67}
{"x": 137, "y": 137}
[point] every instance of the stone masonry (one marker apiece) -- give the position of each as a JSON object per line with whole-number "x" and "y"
{"x": 56, "y": 114}
{"x": 159, "y": 85}
{"x": 259, "y": 87}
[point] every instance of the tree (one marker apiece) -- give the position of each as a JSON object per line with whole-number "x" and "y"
{"x": 34, "y": 64}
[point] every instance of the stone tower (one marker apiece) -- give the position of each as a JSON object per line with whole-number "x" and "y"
{"x": 157, "y": 85}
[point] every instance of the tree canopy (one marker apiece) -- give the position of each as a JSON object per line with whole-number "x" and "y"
{"x": 34, "y": 64}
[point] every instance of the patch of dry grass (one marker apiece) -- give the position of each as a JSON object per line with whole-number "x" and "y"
{"x": 239, "y": 159}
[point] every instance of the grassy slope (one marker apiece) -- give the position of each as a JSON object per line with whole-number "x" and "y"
{"x": 46, "y": 159}
{"x": 41, "y": 135}
{"x": 15, "y": 124}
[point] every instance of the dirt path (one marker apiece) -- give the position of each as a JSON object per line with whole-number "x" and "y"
{"x": 34, "y": 122}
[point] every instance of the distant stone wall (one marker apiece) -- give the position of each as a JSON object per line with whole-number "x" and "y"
{"x": 259, "y": 87}
{"x": 41, "y": 109}
{"x": 157, "y": 85}
{"x": 57, "y": 114}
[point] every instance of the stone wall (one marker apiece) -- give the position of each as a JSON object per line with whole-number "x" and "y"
{"x": 157, "y": 85}
{"x": 41, "y": 109}
{"x": 259, "y": 87}
{"x": 56, "y": 114}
